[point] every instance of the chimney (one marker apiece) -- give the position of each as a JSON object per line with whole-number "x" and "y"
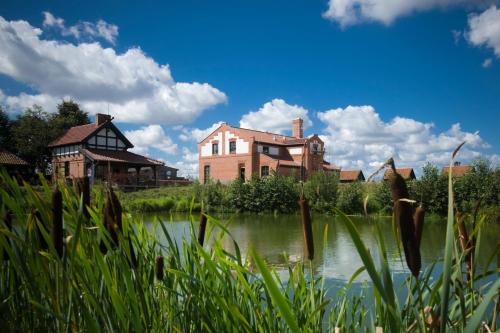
{"x": 101, "y": 118}
{"x": 297, "y": 128}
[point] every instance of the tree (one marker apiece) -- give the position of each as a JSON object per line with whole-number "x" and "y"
{"x": 68, "y": 115}
{"x": 31, "y": 134}
{"x": 5, "y": 129}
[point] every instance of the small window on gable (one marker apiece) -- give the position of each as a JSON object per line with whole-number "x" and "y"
{"x": 315, "y": 148}
{"x": 264, "y": 171}
{"x": 232, "y": 147}
{"x": 215, "y": 149}
{"x": 265, "y": 149}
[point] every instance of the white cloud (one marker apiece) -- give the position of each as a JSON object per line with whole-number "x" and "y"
{"x": 84, "y": 29}
{"x": 151, "y": 136}
{"x": 275, "y": 116}
{"x": 197, "y": 134}
{"x": 487, "y": 63}
{"x": 350, "y": 12}
{"x": 356, "y": 137}
{"x": 132, "y": 85}
{"x": 484, "y": 29}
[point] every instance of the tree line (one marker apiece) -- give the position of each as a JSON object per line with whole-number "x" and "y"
{"x": 29, "y": 133}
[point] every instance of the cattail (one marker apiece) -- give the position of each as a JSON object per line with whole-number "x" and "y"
{"x": 159, "y": 268}
{"x": 305, "y": 216}
{"x": 465, "y": 245}
{"x": 83, "y": 189}
{"x": 202, "y": 228}
{"x": 113, "y": 215}
{"x": 41, "y": 240}
{"x": 57, "y": 221}
{"x": 418, "y": 220}
{"x": 404, "y": 217}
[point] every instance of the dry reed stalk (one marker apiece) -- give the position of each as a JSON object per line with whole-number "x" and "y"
{"x": 113, "y": 215}
{"x": 202, "y": 228}
{"x": 465, "y": 244}
{"x": 57, "y": 221}
{"x": 418, "y": 220}
{"x": 159, "y": 268}
{"x": 305, "y": 216}
{"x": 404, "y": 217}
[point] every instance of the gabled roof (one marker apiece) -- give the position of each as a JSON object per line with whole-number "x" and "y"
{"x": 119, "y": 156}
{"x": 7, "y": 158}
{"x": 457, "y": 170}
{"x": 79, "y": 134}
{"x": 406, "y": 173}
{"x": 351, "y": 175}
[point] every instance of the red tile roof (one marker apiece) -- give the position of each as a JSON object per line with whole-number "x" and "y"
{"x": 457, "y": 170}
{"x": 75, "y": 135}
{"x": 406, "y": 173}
{"x": 289, "y": 163}
{"x": 7, "y": 158}
{"x": 119, "y": 156}
{"x": 351, "y": 175}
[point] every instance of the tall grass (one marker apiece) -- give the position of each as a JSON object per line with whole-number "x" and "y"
{"x": 132, "y": 281}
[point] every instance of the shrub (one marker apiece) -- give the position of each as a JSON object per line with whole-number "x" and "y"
{"x": 321, "y": 191}
{"x": 350, "y": 200}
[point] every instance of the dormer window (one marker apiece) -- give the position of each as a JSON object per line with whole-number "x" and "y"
{"x": 215, "y": 149}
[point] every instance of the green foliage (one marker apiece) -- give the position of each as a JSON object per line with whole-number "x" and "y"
{"x": 350, "y": 198}
{"x": 321, "y": 191}
{"x": 5, "y": 129}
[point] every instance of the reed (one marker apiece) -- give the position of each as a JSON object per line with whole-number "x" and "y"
{"x": 202, "y": 228}
{"x": 159, "y": 268}
{"x": 305, "y": 217}
{"x": 57, "y": 221}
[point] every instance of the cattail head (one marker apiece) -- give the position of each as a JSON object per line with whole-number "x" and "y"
{"x": 159, "y": 268}
{"x": 305, "y": 216}
{"x": 57, "y": 221}
{"x": 113, "y": 215}
{"x": 202, "y": 228}
{"x": 418, "y": 220}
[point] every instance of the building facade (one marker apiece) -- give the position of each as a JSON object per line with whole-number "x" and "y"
{"x": 231, "y": 152}
{"x": 99, "y": 151}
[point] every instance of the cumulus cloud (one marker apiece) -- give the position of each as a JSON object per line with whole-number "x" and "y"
{"x": 83, "y": 29}
{"x": 197, "y": 134}
{"x": 484, "y": 29}
{"x": 351, "y": 12}
{"x": 275, "y": 116}
{"x": 356, "y": 137}
{"x": 132, "y": 85}
{"x": 151, "y": 136}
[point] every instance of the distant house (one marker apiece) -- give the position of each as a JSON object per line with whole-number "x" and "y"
{"x": 349, "y": 176}
{"x": 231, "y": 152}
{"x": 456, "y": 170}
{"x": 12, "y": 163}
{"x": 406, "y": 173}
{"x": 98, "y": 150}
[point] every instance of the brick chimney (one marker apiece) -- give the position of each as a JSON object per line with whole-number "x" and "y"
{"x": 297, "y": 128}
{"x": 101, "y": 118}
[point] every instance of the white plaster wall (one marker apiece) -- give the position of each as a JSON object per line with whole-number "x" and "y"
{"x": 206, "y": 149}
{"x": 242, "y": 147}
{"x": 295, "y": 151}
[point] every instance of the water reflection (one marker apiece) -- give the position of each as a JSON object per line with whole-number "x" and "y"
{"x": 279, "y": 240}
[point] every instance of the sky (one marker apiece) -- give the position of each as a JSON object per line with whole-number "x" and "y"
{"x": 374, "y": 78}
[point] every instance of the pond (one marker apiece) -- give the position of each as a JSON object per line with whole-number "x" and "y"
{"x": 279, "y": 240}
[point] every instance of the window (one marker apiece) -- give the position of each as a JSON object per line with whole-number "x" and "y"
{"x": 265, "y": 150}
{"x": 264, "y": 171}
{"x": 215, "y": 149}
{"x": 232, "y": 147}
{"x": 206, "y": 174}
{"x": 66, "y": 169}
{"x": 315, "y": 148}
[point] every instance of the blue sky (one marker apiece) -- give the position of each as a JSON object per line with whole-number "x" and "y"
{"x": 375, "y": 78}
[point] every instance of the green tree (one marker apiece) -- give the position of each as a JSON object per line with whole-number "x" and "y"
{"x": 31, "y": 134}
{"x": 321, "y": 191}
{"x": 5, "y": 129}
{"x": 350, "y": 200}
{"x": 68, "y": 115}
{"x": 431, "y": 190}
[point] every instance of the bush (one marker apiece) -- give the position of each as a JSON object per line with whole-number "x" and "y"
{"x": 350, "y": 200}
{"x": 321, "y": 191}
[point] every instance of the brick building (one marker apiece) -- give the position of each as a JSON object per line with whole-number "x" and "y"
{"x": 100, "y": 151}
{"x": 231, "y": 152}
{"x": 349, "y": 176}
